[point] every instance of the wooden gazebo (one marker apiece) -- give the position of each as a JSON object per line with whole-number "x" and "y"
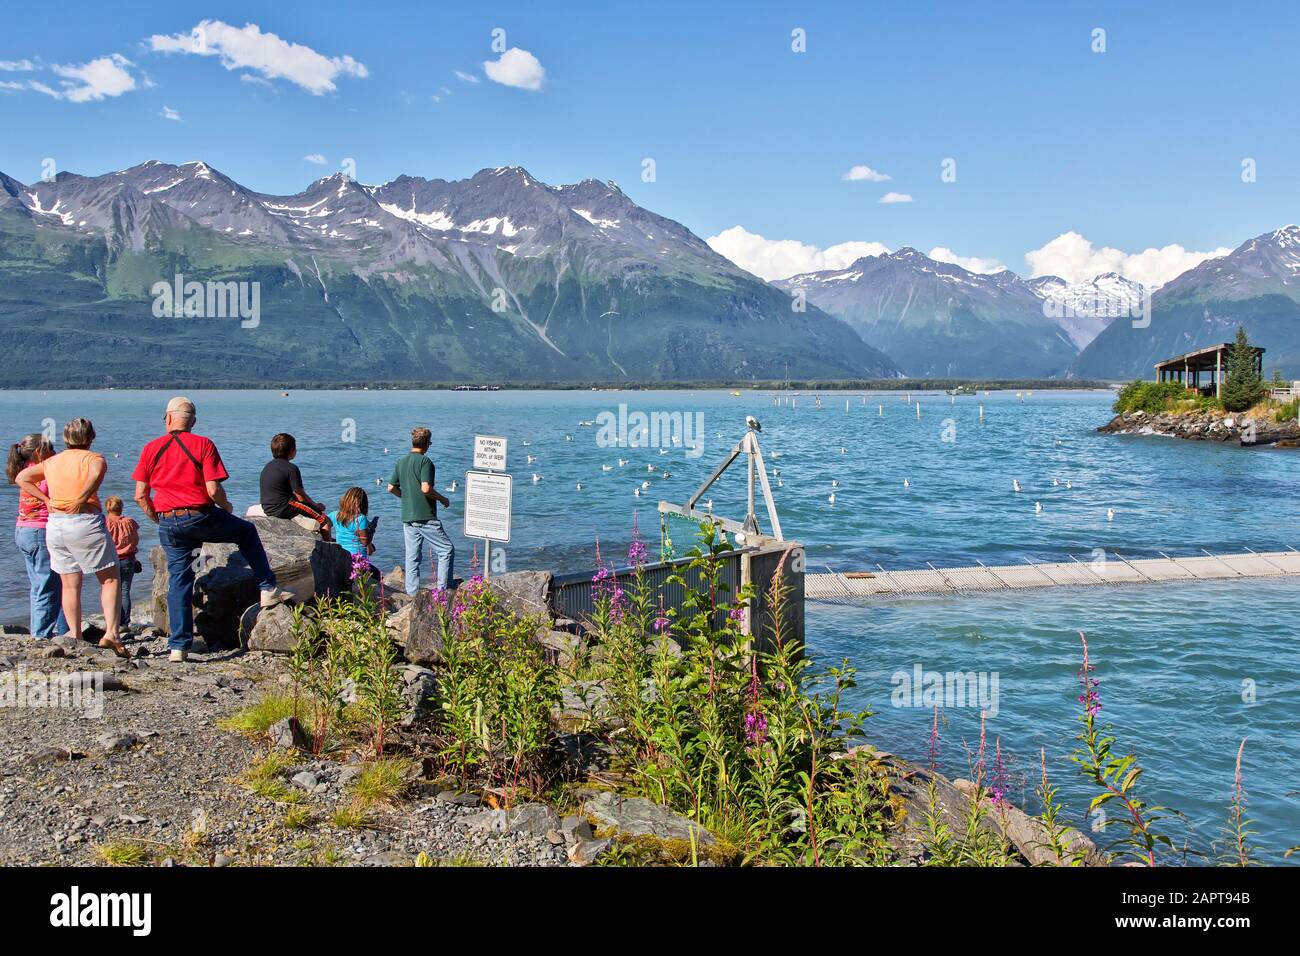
{"x": 1211, "y": 360}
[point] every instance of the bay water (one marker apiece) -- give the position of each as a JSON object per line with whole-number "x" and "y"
{"x": 1187, "y": 670}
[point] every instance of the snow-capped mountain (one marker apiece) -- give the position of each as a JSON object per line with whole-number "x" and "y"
{"x": 1086, "y": 307}
{"x": 938, "y": 319}
{"x": 496, "y": 277}
{"x": 1257, "y": 285}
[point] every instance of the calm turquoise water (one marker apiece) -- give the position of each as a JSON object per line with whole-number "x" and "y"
{"x": 1172, "y": 658}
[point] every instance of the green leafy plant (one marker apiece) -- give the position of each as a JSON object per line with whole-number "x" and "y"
{"x": 1117, "y": 777}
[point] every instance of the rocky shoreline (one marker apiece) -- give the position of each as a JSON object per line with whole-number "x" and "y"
{"x": 156, "y": 771}
{"x": 171, "y": 770}
{"x": 1205, "y": 426}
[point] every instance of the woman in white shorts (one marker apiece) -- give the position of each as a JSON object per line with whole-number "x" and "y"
{"x": 77, "y": 535}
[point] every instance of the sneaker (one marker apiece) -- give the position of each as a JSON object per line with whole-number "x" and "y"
{"x": 276, "y": 596}
{"x": 178, "y": 657}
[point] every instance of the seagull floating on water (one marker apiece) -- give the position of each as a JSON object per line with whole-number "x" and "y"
{"x": 831, "y": 499}
{"x": 1015, "y": 484}
{"x": 906, "y": 483}
{"x": 1038, "y": 506}
{"x": 1110, "y": 514}
{"x": 606, "y": 467}
{"x": 579, "y": 486}
{"x": 536, "y": 477}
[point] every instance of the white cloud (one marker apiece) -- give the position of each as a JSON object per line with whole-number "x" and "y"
{"x": 969, "y": 263}
{"x": 316, "y": 158}
{"x": 98, "y": 79}
{"x": 9, "y": 85}
{"x": 895, "y": 197}
{"x": 517, "y": 68}
{"x": 169, "y": 113}
{"x": 17, "y": 66}
{"x": 859, "y": 174}
{"x": 248, "y": 48}
{"x": 781, "y": 258}
{"x": 1075, "y": 259}
{"x": 253, "y": 79}
{"x": 467, "y": 77}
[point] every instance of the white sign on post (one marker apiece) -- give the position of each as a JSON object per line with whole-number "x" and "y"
{"x": 489, "y": 453}
{"x": 487, "y": 505}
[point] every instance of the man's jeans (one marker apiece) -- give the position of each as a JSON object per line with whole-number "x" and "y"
{"x": 45, "y": 587}
{"x": 181, "y": 537}
{"x": 126, "y": 570}
{"x": 415, "y": 534}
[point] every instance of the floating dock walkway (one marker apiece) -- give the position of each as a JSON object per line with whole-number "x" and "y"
{"x": 1113, "y": 569}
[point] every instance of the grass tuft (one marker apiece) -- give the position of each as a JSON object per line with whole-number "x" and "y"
{"x": 255, "y": 720}
{"x": 382, "y": 782}
{"x": 265, "y": 777}
{"x": 122, "y": 853}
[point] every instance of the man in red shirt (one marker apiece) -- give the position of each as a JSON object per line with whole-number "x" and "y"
{"x": 178, "y": 485}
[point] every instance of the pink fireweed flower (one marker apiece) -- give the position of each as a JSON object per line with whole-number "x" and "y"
{"x": 360, "y": 566}
{"x": 636, "y": 552}
{"x": 736, "y": 614}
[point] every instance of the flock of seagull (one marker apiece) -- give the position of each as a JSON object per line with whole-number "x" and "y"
{"x": 662, "y": 473}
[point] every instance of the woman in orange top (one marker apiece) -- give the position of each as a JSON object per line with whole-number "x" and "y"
{"x": 76, "y": 535}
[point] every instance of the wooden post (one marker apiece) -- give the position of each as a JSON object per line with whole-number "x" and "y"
{"x": 1218, "y": 372}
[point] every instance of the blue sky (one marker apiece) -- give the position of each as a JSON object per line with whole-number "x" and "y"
{"x": 1137, "y": 148}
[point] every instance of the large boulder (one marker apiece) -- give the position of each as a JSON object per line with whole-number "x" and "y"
{"x": 526, "y": 593}
{"x": 224, "y": 588}
{"x": 422, "y": 629}
{"x": 269, "y": 629}
{"x": 638, "y": 816}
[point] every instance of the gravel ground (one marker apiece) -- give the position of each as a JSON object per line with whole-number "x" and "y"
{"x": 154, "y": 770}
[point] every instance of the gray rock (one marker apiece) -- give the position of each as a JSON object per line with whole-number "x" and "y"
{"x": 419, "y": 692}
{"x": 111, "y": 743}
{"x": 535, "y": 819}
{"x": 86, "y": 681}
{"x": 424, "y": 631}
{"x": 459, "y": 799}
{"x": 51, "y": 652}
{"x": 576, "y": 828}
{"x": 224, "y": 589}
{"x": 395, "y": 580}
{"x": 14, "y": 630}
{"x": 306, "y": 780}
{"x": 49, "y": 755}
{"x": 399, "y": 623}
{"x": 586, "y": 852}
{"x": 289, "y": 734}
{"x": 524, "y": 592}
{"x": 388, "y": 858}
{"x": 562, "y": 648}
{"x": 269, "y": 629}
{"x": 222, "y": 860}
{"x": 348, "y": 774}
{"x": 638, "y": 816}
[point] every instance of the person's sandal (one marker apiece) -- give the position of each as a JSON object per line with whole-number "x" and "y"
{"x": 114, "y": 645}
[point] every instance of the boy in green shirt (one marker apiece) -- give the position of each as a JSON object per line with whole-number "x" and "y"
{"x": 413, "y": 481}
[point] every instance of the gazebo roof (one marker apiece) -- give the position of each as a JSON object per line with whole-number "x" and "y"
{"x": 1201, "y": 358}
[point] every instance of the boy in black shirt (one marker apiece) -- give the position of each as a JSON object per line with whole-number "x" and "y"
{"x": 282, "y": 493}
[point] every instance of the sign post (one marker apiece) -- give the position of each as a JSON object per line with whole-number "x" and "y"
{"x": 488, "y": 496}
